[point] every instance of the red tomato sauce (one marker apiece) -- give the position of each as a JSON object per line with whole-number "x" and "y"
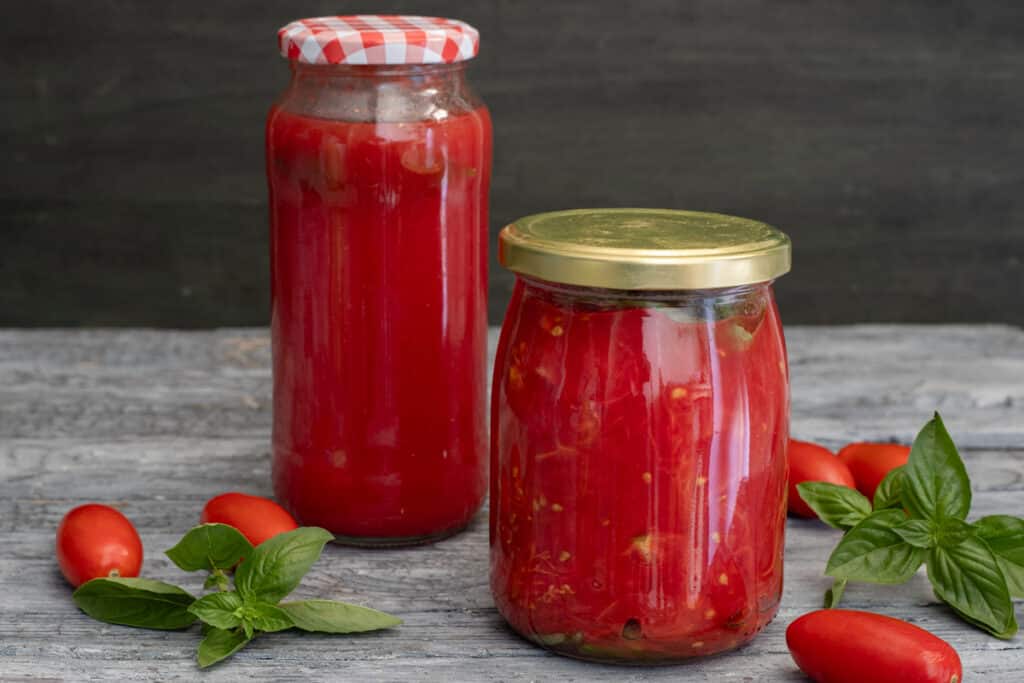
{"x": 638, "y": 474}
{"x": 379, "y": 277}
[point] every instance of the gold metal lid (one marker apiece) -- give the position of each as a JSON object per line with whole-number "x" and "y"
{"x": 644, "y": 249}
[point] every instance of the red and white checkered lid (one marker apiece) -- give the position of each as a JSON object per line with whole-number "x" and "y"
{"x": 378, "y": 39}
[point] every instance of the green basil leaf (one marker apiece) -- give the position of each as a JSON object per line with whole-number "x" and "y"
{"x": 275, "y": 567}
{"x": 835, "y": 594}
{"x": 142, "y": 603}
{"x": 222, "y": 610}
{"x": 838, "y": 506}
{"x": 968, "y": 577}
{"x": 209, "y": 547}
{"x": 1005, "y": 537}
{"x": 266, "y": 617}
{"x": 935, "y": 482}
{"x": 329, "y": 616}
{"x": 888, "y": 493}
{"x": 919, "y": 533}
{"x": 873, "y": 552}
{"x": 952, "y": 532}
{"x": 217, "y": 579}
{"x": 220, "y": 644}
{"x": 1010, "y": 631}
{"x": 1014, "y": 575}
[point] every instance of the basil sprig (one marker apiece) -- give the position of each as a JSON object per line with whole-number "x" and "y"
{"x": 142, "y": 603}
{"x": 834, "y": 595}
{"x": 231, "y": 618}
{"x": 275, "y": 568}
{"x": 210, "y": 547}
{"x": 328, "y": 616}
{"x": 1005, "y": 538}
{"x": 918, "y": 516}
{"x": 887, "y": 495}
{"x": 838, "y": 506}
{"x": 873, "y": 551}
{"x": 215, "y": 548}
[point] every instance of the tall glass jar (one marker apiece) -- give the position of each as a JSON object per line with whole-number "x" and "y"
{"x": 379, "y": 161}
{"x": 639, "y": 420}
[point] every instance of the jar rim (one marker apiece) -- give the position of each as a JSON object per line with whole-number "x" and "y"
{"x": 644, "y": 249}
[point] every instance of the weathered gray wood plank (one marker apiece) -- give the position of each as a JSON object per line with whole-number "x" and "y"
{"x": 157, "y": 422}
{"x": 851, "y": 382}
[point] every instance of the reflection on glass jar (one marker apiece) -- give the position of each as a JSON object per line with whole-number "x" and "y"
{"x": 638, "y": 462}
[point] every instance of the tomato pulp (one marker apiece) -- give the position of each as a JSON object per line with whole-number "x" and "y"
{"x": 638, "y": 480}
{"x": 379, "y": 325}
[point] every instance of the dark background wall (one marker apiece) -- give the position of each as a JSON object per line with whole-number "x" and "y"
{"x": 884, "y": 136}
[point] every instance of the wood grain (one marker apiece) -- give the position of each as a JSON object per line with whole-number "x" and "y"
{"x": 884, "y": 137}
{"x": 158, "y": 422}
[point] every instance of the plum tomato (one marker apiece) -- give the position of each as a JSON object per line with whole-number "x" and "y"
{"x": 96, "y": 541}
{"x": 848, "y": 646}
{"x": 257, "y": 518}
{"x": 811, "y": 462}
{"x": 870, "y": 462}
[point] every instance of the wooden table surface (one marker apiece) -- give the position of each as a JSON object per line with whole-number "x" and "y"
{"x": 157, "y": 422}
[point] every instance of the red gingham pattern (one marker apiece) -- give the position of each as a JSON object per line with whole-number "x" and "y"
{"x": 378, "y": 39}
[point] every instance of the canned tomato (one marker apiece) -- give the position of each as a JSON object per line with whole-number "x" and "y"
{"x": 640, "y": 415}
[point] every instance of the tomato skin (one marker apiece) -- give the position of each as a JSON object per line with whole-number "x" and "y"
{"x": 811, "y": 462}
{"x": 870, "y": 462}
{"x": 849, "y": 646}
{"x": 95, "y": 541}
{"x": 257, "y": 518}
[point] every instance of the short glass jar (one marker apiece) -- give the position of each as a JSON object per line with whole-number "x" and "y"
{"x": 640, "y": 415}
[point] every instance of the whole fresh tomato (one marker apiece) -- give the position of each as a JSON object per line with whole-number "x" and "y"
{"x": 848, "y": 646}
{"x": 870, "y": 462}
{"x": 257, "y": 518}
{"x": 95, "y": 541}
{"x": 811, "y": 462}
